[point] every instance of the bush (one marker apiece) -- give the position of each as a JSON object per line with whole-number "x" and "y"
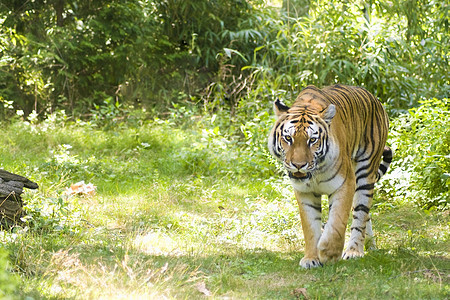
{"x": 420, "y": 172}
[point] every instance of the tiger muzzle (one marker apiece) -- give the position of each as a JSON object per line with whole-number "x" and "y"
{"x": 299, "y": 175}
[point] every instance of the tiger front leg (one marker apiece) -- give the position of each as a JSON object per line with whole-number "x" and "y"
{"x": 310, "y": 215}
{"x": 332, "y": 241}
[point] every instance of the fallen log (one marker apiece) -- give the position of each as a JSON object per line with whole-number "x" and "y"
{"x": 11, "y": 204}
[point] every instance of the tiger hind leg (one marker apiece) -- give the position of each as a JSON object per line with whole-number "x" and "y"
{"x": 361, "y": 229}
{"x": 361, "y": 220}
{"x": 369, "y": 242}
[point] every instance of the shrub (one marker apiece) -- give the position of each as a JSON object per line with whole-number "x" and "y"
{"x": 420, "y": 172}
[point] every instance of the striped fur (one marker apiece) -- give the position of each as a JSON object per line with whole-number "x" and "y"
{"x": 331, "y": 142}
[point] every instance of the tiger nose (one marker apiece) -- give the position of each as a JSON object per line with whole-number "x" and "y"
{"x": 300, "y": 166}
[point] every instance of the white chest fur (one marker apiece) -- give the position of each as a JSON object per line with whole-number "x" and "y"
{"x": 319, "y": 184}
{"x": 325, "y": 180}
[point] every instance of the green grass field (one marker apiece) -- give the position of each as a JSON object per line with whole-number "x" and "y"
{"x": 186, "y": 214}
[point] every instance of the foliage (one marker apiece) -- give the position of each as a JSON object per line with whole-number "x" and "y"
{"x": 8, "y": 281}
{"x": 53, "y": 213}
{"x": 78, "y": 60}
{"x": 421, "y": 167}
{"x": 337, "y": 42}
{"x": 77, "y": 54}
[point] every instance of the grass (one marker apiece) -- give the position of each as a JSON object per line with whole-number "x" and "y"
{"x": 186, "y": 214}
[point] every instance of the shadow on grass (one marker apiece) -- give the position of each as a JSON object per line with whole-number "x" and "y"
{"x": 231, "y": 271}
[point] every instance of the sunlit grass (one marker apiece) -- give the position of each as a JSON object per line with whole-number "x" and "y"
{"x": 160, "y": 227}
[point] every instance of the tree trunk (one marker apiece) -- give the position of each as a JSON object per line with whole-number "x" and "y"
{"x": 296, "y": 8}
{"x": 59, "y": 9}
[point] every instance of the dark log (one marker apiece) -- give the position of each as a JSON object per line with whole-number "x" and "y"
{"x": 7, "y": 176}
{"x": 11, "y": 204}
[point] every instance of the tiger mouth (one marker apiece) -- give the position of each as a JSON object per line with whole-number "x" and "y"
{"x": 300, "y": 175}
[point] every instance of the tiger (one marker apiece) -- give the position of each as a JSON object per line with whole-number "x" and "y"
{"x": 332, "y": 141}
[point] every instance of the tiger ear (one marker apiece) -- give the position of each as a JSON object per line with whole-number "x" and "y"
{"x": 279, "y": 108}
{"x": 329, "y": 113}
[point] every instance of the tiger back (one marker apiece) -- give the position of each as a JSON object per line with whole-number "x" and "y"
{"x": 331, "y": 142}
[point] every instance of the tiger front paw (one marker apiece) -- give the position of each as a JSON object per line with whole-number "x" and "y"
{"x": 310, "y": 262}
{"x": 329, "y": 251}
{"x": 353, "y": 252}
{"x": 327, "y": 255}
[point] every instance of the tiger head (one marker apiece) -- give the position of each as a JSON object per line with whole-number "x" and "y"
{"x": 299, "y": 138}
